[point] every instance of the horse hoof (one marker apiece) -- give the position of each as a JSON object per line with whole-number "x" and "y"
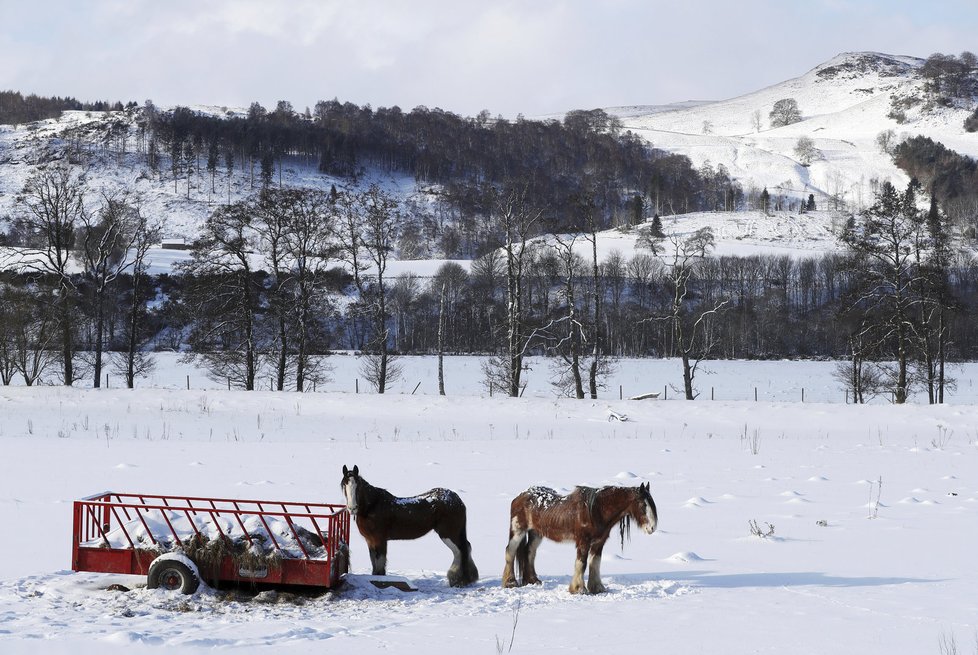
{"x": 510, "y": 584}
{"x": 597, "y": 589}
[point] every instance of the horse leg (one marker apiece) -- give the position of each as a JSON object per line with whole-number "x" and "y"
{"x": 594, "y": 585}
{"x": 517, "y": 536}
{"x": 378, "y": 558}
{"x": 455, "y": 570}
{"x": 463, "y": 571}
{"x": 577, "y": 581}
{"x": 530, "y": 570}
{"x": 470, "y": 573}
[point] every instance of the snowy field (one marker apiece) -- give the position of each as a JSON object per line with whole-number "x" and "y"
{"x": 873, "y": 509}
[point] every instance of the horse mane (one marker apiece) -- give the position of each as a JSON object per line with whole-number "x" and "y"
{"x": 589, "y": 495}
{"x": 370, "y": 494}
{"x": 625, "y": 529}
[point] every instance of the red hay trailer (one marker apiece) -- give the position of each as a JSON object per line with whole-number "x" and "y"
{"x": 177, "y": 540}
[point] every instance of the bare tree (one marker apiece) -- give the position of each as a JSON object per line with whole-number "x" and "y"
{"x": 688, "y": 315}
{"x": 755, "y": 120}
{"x": 369, "y": 221}
{"x": 106, "y": 242}
{"x": 310, "y": 244}
{"x": 451, "y": 281}
{"x": 517, "y": 219}
{"x": 441, "y": 340}
{"x": 9, "y": 320}
{"x": 223, "y": 298}
{"x": 133, "y": 362}
{"x": 599, "y": 366}
{"x": 886, "y": 249}
{"x": 28, "y": 335}
{"x": 570, "y": 345}
{"x": 271, "y": 223}
{"x": 885, "y": 141}
{"x": 54, "y": 200}
{"x": 806, "y": 151}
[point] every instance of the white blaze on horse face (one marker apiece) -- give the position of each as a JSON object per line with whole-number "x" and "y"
{"x": 350, "y": 491}
{"x": 651, "y": 521}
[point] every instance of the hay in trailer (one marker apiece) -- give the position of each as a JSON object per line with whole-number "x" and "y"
{"x": 210, "y": 554}
{"x": 252, "y": 543}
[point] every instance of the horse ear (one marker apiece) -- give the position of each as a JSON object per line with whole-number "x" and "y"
{"x": 356, "y": 470}
{"x": 346, "y": 471}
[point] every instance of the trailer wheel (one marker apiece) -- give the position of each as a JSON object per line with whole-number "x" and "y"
{"x": 172, "y": 575}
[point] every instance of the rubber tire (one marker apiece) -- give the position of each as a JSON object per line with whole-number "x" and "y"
{"x": 172, "y": 575}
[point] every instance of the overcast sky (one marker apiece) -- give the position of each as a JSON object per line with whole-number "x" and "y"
{"x": 533, "y": 57}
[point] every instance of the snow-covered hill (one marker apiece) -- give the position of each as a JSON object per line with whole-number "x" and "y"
{"x": 845, "y": 103}
{"x": 25, "y": 148}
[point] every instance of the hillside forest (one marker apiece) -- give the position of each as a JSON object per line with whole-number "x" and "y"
{"x": 279, "y": 278}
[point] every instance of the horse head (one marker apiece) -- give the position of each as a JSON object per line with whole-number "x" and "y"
{"x": 350, "y": 484}
{"x": 645, "y": 513}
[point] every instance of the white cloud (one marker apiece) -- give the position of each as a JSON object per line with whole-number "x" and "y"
{"x": 508, "y": 56}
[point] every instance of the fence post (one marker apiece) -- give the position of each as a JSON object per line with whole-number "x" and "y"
{"x": 106, "y": 380}
{"x": 229, "y": 383}
{"x": 711, "y": 393}
{"x": 621, "y": 393}
{"x": 357, "y": 381}
{"x": 188, "y": 383}
{"x": 803, "y": 394}
{"x": 665, "y": 392}
{"x": 755, "y": 394}
{"x": 847, "y": 396}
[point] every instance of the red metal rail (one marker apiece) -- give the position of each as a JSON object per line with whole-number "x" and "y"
{"x": 123, "y": 533}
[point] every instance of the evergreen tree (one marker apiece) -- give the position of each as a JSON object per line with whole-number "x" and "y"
{"x": 656, "y": 229}
{"x": 811, "y": 202}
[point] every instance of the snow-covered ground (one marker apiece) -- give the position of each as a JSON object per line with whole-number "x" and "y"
{"x": 873, "y": 509}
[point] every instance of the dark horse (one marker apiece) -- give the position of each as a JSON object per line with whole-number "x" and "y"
{"x": 585, "y": 516}
{"x": 381, "y": 516}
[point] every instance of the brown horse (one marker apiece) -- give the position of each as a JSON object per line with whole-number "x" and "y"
{"x": 585, "y": 516}
{"x": 381, "y": 516}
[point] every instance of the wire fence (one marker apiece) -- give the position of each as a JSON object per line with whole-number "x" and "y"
{"x": 789, "y": 381}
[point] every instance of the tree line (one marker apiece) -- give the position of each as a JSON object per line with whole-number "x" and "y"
{"x": 556, "y": 160}
{"x": 16, "y": 108}
{"x": 278, "y": 280}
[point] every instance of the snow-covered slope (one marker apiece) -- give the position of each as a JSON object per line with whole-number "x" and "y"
{"x": 25, "y": 148}
{"x": 845, "y": 103}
